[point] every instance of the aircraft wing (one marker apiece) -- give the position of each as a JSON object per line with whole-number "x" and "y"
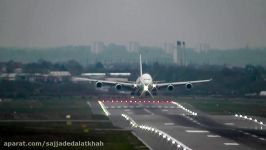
{"x": 181, "y": 83}
{"x": 126, "y": 84}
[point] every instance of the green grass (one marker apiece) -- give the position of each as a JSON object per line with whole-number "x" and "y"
{"x": 113, "y": 140}
{"x": 53, "y": 108}
{"x": 228, "y": 106}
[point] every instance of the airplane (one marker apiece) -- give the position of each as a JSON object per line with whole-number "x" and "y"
{"x": 143, "y": 85}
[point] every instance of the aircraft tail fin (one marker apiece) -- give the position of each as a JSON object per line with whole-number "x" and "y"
{"x": 140, "y": 65}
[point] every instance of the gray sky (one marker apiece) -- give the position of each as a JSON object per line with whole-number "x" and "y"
{"x": 221, "y": 23}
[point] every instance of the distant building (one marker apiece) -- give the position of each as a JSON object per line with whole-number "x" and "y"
{"x": 8, "y": 76}
{"x": 169, "y": 48}
{"x": 18, "y": 70}
{"x": 97, "y": 47}
{"x": 133, "y": 46}
{"x": 94, "y": 75}
{"x": 262, "y": 93}
{"x": 179, "y": 54}
{"x": 59, "y": 76}
{"x": 120, "y": 74}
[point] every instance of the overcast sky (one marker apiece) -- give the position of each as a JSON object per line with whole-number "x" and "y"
{"x": 220, "y": 23}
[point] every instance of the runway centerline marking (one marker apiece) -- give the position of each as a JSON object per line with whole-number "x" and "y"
{"x": 213, "y": 136}
{"x": 164, "y": 110}
{"x": 197, "y": 131}
{"x": 229, "y": 123}
{"x": 169, "y": 124}
{"x": 231, "y": 144}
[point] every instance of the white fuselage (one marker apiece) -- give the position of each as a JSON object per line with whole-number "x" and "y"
{"x": 145, "y": 79}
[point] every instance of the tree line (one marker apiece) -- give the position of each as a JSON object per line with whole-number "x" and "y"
{"x": 228, "y": 81}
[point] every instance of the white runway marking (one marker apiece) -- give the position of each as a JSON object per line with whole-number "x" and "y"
{"x": 164, "y": 110}
{"x": 213, "y": 136}
{"x": 197, "y": 131}
{"x": 169, "y": 124}
{"x": 231, "y": 144}
{"x": 262, "y": 139}
{"x": 229, "y": 123}
{"x": 149, "y": 112}
{"x": 127, "y": 110}
{"x": 255, "y": 136}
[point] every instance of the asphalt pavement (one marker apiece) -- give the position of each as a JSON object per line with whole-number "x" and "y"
{"x": 185, "y": 129}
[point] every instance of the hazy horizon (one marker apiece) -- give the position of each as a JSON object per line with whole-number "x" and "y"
{"x": 223, "y": 24}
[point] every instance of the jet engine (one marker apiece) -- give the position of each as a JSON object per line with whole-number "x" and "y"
{"x": 118, "y": 87}
{"x": 189, "y": 86}
{"x": 99, "y": 84}
{"x": 170, "y": 87}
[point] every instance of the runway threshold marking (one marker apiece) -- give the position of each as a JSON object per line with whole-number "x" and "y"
{"x": 213, "y": 136}
{"x": 197, "y": 131}
{"x": 231, "y": 144}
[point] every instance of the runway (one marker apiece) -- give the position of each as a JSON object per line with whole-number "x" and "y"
{"x": 192, "y": 128}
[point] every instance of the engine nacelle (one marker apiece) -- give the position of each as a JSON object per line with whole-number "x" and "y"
{"x": 118, "y": 87}
{"x": 189, "y": 86}
{"x": 99, "y": 84}
{"x": 170, "y": 87}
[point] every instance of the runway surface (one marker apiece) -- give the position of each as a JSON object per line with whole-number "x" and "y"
{"x": 193, "y": 129}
